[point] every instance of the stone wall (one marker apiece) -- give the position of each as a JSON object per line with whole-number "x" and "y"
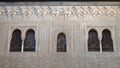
{"x": 48, "y": 22}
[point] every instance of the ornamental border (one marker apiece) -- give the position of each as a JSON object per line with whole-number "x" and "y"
{"x": 59, "y": 10}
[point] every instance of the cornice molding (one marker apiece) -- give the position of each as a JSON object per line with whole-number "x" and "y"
{"x": 63, "y": 3}
{"x": 59, "y": 10}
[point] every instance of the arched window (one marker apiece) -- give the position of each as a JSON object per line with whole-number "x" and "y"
{"x": 61, "y": 42}
{"x": 93, "y": 41}
{"x": 107, "y": 42}
{"x": 16, "y": 42}
{"x": 30, "y": 42}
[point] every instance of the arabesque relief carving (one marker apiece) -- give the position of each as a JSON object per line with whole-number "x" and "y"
{"x": 58, "y": 10}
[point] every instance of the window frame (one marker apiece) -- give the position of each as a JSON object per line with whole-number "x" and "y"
{"x": 94, "y": 48}
{"x": 65, "y": 46}
{"x": 11, "y": 40}
{"x": 33, "y": 50}
{"x": 111, "y": 39}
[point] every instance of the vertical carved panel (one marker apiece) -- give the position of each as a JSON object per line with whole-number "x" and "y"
{"x": 61, "y": 42}
{"x": 1, "y": 34}
{"x": 107, "y": 42}
{"x": 16, "y": 42}
{"x": 30, "y": 42}
{"x": 93, "y": 41}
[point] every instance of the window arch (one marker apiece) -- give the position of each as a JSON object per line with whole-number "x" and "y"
{"x": 16, "y": 41}
{"x": 107, "y": 42}
{"x": 93, "y": 41}
{"x": 30, "y": 42}
{"x": 61, "y": 42}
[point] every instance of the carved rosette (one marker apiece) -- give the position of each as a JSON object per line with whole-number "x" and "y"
{"x": 59, "y": 10}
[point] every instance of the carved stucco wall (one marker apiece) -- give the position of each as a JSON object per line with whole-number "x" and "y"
{"x": 59, "y": 10}
{"x": 48, "y": 22}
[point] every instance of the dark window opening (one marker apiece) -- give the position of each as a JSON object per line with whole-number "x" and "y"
{"x": 16, "y": 42}
{"x": 93, "y": 41}
{"x": 29, "y": 42}
{"x": 61, "y": 42}
{"x": 107, "y": 42}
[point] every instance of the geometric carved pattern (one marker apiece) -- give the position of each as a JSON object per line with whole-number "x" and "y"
{"x": 57, "y": 10}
